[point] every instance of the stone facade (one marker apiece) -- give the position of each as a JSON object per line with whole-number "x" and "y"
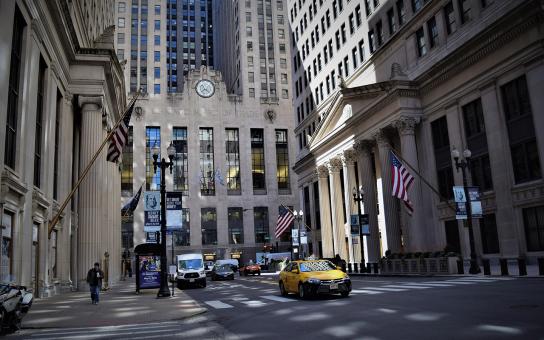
{"x": 451, "y": 75}
{"x": 63, "y": 90}
{"x": 220, "y": 112}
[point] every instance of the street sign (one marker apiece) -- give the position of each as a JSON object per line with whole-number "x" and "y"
{"x": 294, "y": 237}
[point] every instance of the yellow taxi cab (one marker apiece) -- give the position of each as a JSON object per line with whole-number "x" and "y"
{"x": 307, "y": 278}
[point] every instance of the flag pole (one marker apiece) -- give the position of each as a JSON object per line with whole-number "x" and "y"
{"x": 55, "y": 219}
{"x": 433, "y": 189}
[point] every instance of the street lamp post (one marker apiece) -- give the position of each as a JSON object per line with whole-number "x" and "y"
{"x": 298, "y": 218}
{"x": 163, "y": 164}
{"x": 358, "y": 196}
{"x": 463, "y": 164}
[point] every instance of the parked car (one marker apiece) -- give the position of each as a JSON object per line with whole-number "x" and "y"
{"x": 251, "y": 268}
{"x": 190, "y": 270}
{"x": 309, "y": 278}
{"x": 222, "y": 272}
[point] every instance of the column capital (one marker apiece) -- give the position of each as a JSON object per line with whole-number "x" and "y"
{"x": 381, "y": 138}
{"x": 322, "y": 171}
{"x": 364, "y": 145}
{"x": 68, "y": 98}
{"x": 90, "y": 100}
{"x": 406, "y": 125}
{"x": 349, "y": 157}
{"x": 335, "y": 165}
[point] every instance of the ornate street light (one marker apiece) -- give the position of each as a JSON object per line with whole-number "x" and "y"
{"x": 358, "y": 196}
{"x": 298, "y": 217}
{"x": 163, "y": 164}
{"x": 463, "y": 164}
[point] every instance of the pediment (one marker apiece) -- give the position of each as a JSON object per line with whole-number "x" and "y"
{"x": 343, "y": 106}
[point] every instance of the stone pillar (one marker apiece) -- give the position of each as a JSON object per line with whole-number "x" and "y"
{"x": 91, "y": 195}
{"x": 325, "y": 213}
{"x": 415, "y": 238}
{"x": 65, "y": 186}
{"x": 367, "y": 178}
{"x": 338, "y": 226}
{"x": 348, "y": 159}
{"x": 390, "y": 203}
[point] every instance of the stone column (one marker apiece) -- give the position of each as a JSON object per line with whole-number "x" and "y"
{"x": 367, "y": 178}
{"x": 390, "y": 203}
{"x": 65, "y": 186}
{"x": 415, "y": 238}
{"x": 348, "y": 159}
{"x": 325, "y": 213}
{"x": 338, "y": 227}
{"x": 91, "y": 195}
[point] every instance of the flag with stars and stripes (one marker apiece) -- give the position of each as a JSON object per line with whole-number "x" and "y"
{"x": 402, "y": 180}
{"x": 119, "y": 138}
{"x": 285, "y": 218}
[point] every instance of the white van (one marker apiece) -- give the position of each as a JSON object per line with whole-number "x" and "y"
{"x": 190, "y": 270}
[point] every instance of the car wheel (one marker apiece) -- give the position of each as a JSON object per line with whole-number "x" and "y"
{"x": 204, "y": 284}
{"x": 259, "y": 273}
{"x": 245, "y": 273}
{"x": 344, "y": 294}
{"x": 302, "y": 291}
{"x": 283, "y": 292}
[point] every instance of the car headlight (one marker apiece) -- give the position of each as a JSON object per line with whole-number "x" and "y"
{"x": 314, "y": 281}
{"x": 202, "y": 273}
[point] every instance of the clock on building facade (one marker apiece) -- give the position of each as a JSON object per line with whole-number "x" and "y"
{"x": 205, "y": 88}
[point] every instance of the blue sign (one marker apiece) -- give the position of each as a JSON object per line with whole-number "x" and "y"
{"x": 150, "y": 271}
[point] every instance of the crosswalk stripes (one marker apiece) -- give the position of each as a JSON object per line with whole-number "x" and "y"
{"x": 218, "y": 304}
{"x": 407, "y": 286}
{"x": 276, "y": 298}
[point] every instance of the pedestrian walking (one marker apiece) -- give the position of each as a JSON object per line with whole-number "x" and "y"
{"x": 94, "y": 279}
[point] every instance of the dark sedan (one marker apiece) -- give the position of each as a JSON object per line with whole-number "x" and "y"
{"x": 222, "y": 272}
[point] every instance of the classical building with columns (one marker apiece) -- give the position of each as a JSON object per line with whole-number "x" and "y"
{"x": 420, "y": 78}
{"x": 63, "y": 89}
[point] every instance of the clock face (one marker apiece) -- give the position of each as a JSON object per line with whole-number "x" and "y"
{"x": 205, "y": 88}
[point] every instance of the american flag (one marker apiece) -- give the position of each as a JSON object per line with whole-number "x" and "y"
{"x": 285, "y": 218}
{"x": 119, "y": 138}
{"x": 402, "y": 180}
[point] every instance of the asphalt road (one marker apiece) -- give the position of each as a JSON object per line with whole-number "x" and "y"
{"x": 378, "y": 308}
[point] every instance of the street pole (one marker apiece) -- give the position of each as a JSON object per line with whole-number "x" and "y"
{"x": 464, "y": 164}
{"x": 358, "y": 196}
{"x": 164, "y": 291}
{"x": 300, "y": 247}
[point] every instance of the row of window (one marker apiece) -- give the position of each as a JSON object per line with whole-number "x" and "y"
{"x": 521, "y": 137}
{"x": 209, "y": 175}
{"x": 19, "y": 27}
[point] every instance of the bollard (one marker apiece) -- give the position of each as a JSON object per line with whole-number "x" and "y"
{"x": 349, "y": 268}
{"x": 460, "y": 267}
{"x": 504, "y": 267}
{"x": 522, "y": 267}
{"x": 487, "y": 266}
{"x": 355, "y": 267}
{"x": 344, "y": 266}
{"x": 369, "y": 267}
{"x": 375, "y": 264}
{"x": 541, "y": 266}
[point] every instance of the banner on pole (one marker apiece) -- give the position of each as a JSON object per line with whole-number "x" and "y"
{"x": 152, "y": 211}
{"x": 174, "y": 216}
{"x": 294, "y": 236}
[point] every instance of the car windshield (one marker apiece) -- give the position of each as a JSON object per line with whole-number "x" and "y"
{"x": 223, "y": 268}
{"x": 316, "y": 266}
{"x": 190, "y": 264}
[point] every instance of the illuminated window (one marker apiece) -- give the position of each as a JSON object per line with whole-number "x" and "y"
{"x": 232, "y": 152}
{"x": 257, "y": 160}
{"x": 181, "y": 162}
{"x": 282, "y": 159}
{"x": 207, "y": 172}
{"x": 152, "y": 139}
{"x": 127, "y": 172}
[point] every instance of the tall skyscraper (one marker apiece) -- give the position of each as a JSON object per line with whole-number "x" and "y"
{"x": 232, "y": 130}
{"x": 162, "y": 40}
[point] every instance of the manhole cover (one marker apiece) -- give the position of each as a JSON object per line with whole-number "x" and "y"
{"x": 523, "y": 306}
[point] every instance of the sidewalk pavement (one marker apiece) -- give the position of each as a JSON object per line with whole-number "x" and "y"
{"x": 118, "y": 306}
{"x": 513, "y": 271}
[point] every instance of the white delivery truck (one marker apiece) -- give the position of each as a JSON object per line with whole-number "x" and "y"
{"x": 190, "y": 270}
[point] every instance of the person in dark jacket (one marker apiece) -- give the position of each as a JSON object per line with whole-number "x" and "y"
{"x": 94, "y": 279}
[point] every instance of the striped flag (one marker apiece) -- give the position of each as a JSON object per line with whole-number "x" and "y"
{"x": 119, "y": 138}
{"x": 285, "y": 218}
{"x": 402, "y": 180}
